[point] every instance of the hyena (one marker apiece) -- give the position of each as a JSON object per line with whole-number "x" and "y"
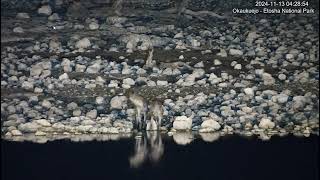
{"x": 141, "y": 108}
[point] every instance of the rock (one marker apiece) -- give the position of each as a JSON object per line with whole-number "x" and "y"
{"x": 209, "y": 125}
{"x": 282, "y": 77}
{"x": 83, "y": 43}
{"x": 126, "y": 70}
{"x": 11, "y": 109}
{"x": 63, "y": 76}
{"x": 195, "y": 43}
{"x": 129, "y": 81}
{"x": 83, "y": 128}
{"x": 54, "y": 17}
{"x": 268, "y": 79}
{"x": 235, "y": 52}
{"x": 282, "y": 98}
{"x": 58, "y": 126}
{"x": 40, "y": 133}
{"x": 99, "y": 100}
{"x": 66, "y": 64}
{"x": 93, "y": 26}
{"x": 259, "y": 72}
{"x": 299, "y": 102}
{"x": 141, "y": 71}
{"x": 178, "y": 35}
{"x": 76, "y": 113}
{"x": 72, "y": 106}
{"x": 123, "y": 124}
{"x": 226, "y": 111}
{"x": 118, "y": 102}
{"x": 251, "y": 37}
{"x": 199, "y": 65}
{"x": 18, "y": 30}
{"x": 95, "y": 68}
{"x": 29, "y": 127}
{"x": 92, "y": 114}
{"x": 108, "y": 130}
{"x": 162, "y": 83}
{"x": 249, "y": 91}
{"x": 43, "y": 122}
{"x": 289, "y": 56}
{"x": 266, "y": 124}
{"x": 16, "y": 132}
{"x": 36, "y": 70}
{"x": 45, "y": 73}
{"x": 222, "y": 53}
{"x": 23, "y": 16}
{"x": 46, "y": 104}
{"x": 100, "y": 80}
{"x": 217, "y": 62}
{"x": 88, "y": 122}
{"x": 116, "y": 20}
{"x": 182, "y": 123}
{"x": 198, "y": 73}
{"x": 45, "y": 10}
{"x": 167, "y": 71}
{"x": 247, "y": 110}
{"x": 151, "y": 83}
{"x": 80, "y": 68}
{"x": 238, "y": 67}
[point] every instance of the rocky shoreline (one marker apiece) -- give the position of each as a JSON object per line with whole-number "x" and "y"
{"x": 243, "y": 75}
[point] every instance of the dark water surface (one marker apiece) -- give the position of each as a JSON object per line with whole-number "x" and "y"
{"x": 286, "y": 158}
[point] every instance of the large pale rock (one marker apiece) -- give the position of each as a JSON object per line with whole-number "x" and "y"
{"x": 40, "y": 133}
{"x": 209, "y": 125}
{"x": 266, "y": 123}
{"x": 268, "y": 79}
{"x": 29, "y": 127}
{"x": 182, "y": 123}
{"x": 43, "y": 122}
{"x": 235, "y": 52}
{"x": 94, "y": 68}
{"x": 83, "y": 43}
{"x": 45, "y": 10}
{"x": 16, "y": 132}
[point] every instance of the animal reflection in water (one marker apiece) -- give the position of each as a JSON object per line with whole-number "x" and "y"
{"x": 149, "y": 146}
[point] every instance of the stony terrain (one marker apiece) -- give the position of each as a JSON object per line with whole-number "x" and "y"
{"x": 66, "y": 72}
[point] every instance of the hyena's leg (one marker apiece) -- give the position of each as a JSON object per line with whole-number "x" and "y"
{"x": 138, "y": 118}
{"x": 145, "y": 110}
{"x": 159, "y": 121}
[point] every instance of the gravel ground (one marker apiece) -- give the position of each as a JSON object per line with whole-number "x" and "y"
{"x": 65, "y": 72}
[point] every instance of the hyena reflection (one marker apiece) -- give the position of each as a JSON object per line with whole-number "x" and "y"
{"x": 149, "y": 146}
